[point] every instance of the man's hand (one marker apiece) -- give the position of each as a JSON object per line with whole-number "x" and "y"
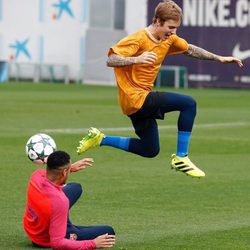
{"x": 146, "y": 58}
{"x": 81, "y": 164}
{"x": 105, "y": 241}
{"x": 230, "y": 59}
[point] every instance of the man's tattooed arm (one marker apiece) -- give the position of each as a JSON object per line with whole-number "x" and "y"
{"x": 147, "y": 57}
{"x": 115, "y": 60}
{"x": 197, "y": 52}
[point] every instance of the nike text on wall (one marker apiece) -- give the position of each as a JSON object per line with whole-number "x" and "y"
{"x": 216, "y": 13}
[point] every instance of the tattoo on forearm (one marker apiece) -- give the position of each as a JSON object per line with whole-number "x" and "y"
{"x": 115, "y": 60}
{"x": 197, "y": 52}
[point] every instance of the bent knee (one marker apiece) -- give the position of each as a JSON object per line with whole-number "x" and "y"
{"x": 152, "y": 152}
{"x": 192, "y": 102}
{"x": 110, "y": 230}
{"x": 77, "y": 188}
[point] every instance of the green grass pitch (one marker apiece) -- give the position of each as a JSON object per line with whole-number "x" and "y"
{"x": 149, "y": 205}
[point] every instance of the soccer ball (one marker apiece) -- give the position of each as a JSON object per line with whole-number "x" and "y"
{"x": 39, "y": 147}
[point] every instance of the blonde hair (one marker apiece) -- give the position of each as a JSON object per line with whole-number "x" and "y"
{"x": 167, "y": 10}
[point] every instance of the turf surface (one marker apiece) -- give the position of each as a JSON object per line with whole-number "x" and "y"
{"x": 149, "y": 205}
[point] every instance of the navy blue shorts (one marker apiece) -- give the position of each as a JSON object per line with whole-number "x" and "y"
{"x": 149, "y": 111}
{"x": 157, "y": 104}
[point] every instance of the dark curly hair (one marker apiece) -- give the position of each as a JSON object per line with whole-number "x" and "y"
{"x": 57, "y": 160}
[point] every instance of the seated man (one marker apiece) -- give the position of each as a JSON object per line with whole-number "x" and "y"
{"x": 48, "y": 202}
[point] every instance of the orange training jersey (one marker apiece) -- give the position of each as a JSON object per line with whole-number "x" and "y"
{"x": 136, "y": 81}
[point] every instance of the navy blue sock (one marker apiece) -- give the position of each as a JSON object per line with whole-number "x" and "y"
{"x": 145, "y": 145}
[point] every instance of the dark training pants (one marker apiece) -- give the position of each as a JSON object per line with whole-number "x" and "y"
{"x": 73, "y": 191}
{"x": 156, "y": 105}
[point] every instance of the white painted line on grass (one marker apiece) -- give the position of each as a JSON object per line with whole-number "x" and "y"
{"x": 121, "y": 129}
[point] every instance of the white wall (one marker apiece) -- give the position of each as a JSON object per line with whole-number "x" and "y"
{"x": 52, "y": 40}
{"x": 135, "y": 15}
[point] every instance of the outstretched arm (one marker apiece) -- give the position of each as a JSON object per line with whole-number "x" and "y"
{"x": 115, "y": 60}
{"x": 81, "y": 164}
{"x": 197, "y": 52}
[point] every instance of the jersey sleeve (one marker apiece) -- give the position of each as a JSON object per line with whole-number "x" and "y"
{"x": 126, "y": 47}
{"x": 178, "y": 45}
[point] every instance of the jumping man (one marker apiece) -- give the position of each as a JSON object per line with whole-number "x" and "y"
{"x": 136, "y": 60}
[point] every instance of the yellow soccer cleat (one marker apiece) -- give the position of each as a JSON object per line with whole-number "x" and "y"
{"x": 92, "y": 139}
{"x": 184, "y": 165}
